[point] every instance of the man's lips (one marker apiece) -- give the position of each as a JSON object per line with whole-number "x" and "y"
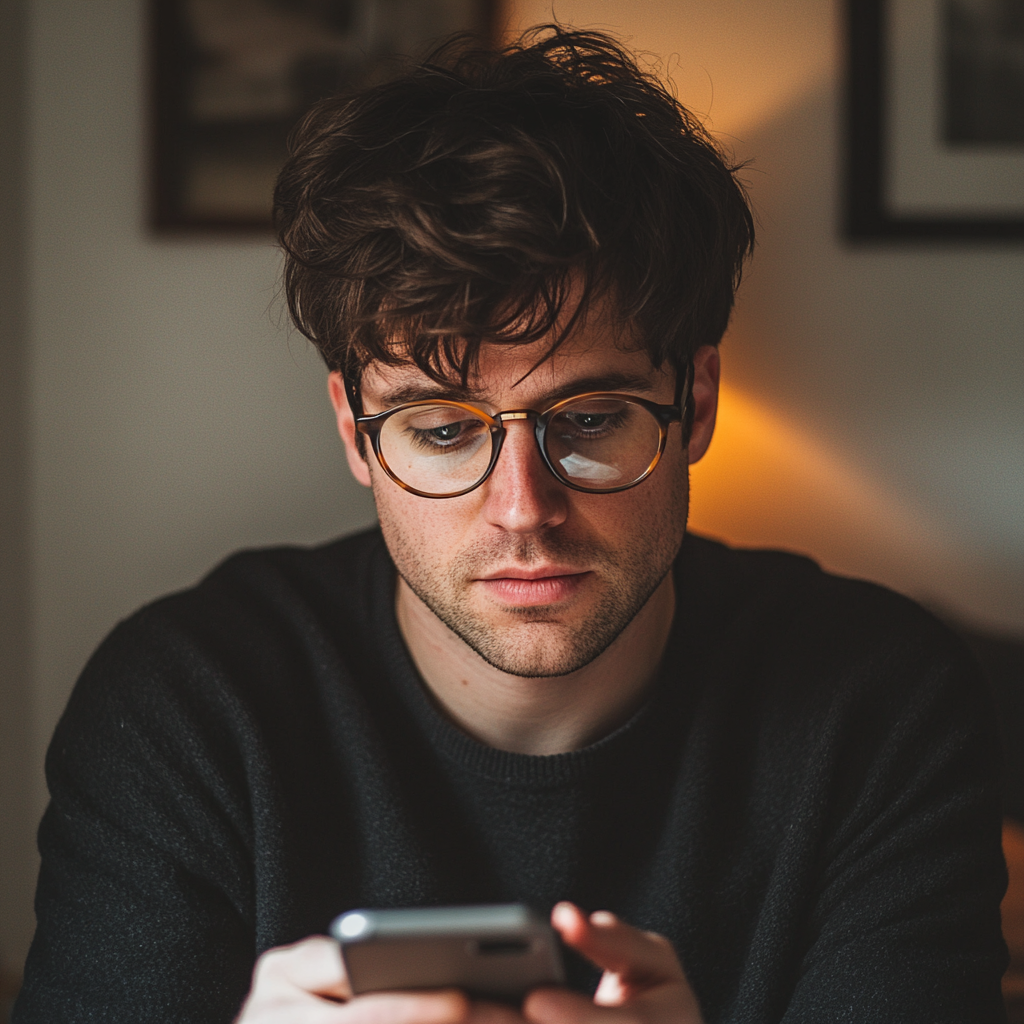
{"x": 524, "y": 587}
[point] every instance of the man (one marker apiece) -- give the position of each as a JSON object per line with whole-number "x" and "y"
{"x": 773, "y": 791}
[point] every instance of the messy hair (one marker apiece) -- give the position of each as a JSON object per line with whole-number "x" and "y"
{"x": 493, "y": 195}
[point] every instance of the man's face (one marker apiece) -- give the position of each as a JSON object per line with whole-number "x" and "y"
{"x": 537, "y": 578}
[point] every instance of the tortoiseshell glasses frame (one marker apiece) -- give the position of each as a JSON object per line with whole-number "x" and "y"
{"x": 664, "y": 415}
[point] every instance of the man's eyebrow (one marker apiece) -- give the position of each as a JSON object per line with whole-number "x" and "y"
{"x": 600, "y": 382}
{"x": 422, "y": 391}
{"x": 425, "y": 392}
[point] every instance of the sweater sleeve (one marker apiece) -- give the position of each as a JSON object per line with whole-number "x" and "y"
{"x": 144, "y": 896}
{"x": 904, "y": 923}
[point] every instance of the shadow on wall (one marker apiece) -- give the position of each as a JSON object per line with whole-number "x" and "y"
{"x": 10, "y": 982}
{"x": 871, "y": 415}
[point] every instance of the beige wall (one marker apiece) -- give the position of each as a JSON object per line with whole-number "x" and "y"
{"x": 875, "y": 394}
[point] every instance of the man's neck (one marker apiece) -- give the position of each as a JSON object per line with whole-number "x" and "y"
{"x": 549, "y": 715}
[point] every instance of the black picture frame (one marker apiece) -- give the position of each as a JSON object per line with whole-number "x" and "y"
{"x": 213, "y": 156}
{"x": 872, "y": 79}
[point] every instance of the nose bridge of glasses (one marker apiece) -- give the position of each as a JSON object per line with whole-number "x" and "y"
{"x": 511, "y": 415}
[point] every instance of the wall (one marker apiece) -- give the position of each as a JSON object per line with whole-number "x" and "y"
{"x": 873, "y": 413}
{"x": 17, "y": 815}
{"x": 874, "y": 396}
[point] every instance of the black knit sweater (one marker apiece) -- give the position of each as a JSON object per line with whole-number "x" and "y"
{"x": 807, "y": 806}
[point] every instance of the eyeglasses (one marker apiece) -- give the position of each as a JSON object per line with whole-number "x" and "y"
{"x": 599, "y": 442}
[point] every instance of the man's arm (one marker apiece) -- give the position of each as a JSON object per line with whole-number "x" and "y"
{"x": 144, "y": 896}
{"x": 904, "y": 921}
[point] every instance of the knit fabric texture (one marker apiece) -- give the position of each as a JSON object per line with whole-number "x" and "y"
{"x": 807, "y": 805}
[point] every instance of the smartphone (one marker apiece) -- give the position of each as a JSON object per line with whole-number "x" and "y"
{"x": 490, "y": 952}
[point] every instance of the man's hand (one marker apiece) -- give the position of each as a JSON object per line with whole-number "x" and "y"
{"x": 643, "y": 981}
{"x": 306, "y": 984}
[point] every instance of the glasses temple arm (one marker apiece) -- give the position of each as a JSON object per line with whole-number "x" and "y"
{"x": 685, "y": 385}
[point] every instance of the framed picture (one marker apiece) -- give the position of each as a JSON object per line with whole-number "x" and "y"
{"x": 935, "y": 107}
{"x": 231, "y": 77}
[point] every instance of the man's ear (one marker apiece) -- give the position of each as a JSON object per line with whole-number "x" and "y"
{"x": 707, "y": 368}
{"x": 347, "y": 427}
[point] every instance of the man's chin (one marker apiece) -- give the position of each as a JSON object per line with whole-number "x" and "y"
{"x": 522, "y": 666}
{"x": 533, "y": 641}
{"x": 536, "y": 648}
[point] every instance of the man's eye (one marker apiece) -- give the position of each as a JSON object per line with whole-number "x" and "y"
{"x": 589, "y": 420}
{"x": 453, "y": 435}
{"x": 584, "y": 424}
{"x": 436, "y": 436}
{"x": 446, "y": 433}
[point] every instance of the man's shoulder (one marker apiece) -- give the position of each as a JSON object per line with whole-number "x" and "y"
{"x": 281, "y": 579}
{"x": 780, "y": 585}
{"x": 825, "y": 669}
{"x": 254, "y": 628}
{"x": 255, "y": 593}
{"x": 807, "y": 626}
{"x": 344, "y": 560}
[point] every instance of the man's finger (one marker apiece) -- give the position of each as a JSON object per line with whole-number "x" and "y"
{"x": 493, "y": 1013}
{"x": 636, "y": 957}
{"x": 446, "y": 1006}
{"x": 312, "y": 965}
{"x": 560, "y": 1006}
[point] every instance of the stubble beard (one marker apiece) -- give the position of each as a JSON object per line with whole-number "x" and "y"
{"x": 536, "y": 644}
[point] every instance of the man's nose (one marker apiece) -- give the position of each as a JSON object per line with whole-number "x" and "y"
{"x": 521, "y": 494}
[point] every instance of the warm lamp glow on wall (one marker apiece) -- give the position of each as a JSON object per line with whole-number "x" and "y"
{"x": 767, "y": 482}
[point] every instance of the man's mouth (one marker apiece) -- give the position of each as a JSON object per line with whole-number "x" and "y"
{"x": 537, "y": 586}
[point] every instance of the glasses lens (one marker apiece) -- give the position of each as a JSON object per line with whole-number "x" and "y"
{"x": 436, "y": 449}
{"x": 602, "y": 443}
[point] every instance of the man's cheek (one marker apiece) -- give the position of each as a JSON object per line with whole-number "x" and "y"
{"x": 420, "y": 542}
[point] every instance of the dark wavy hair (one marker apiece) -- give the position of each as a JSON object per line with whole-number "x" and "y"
{"x": 494, "y": 195}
